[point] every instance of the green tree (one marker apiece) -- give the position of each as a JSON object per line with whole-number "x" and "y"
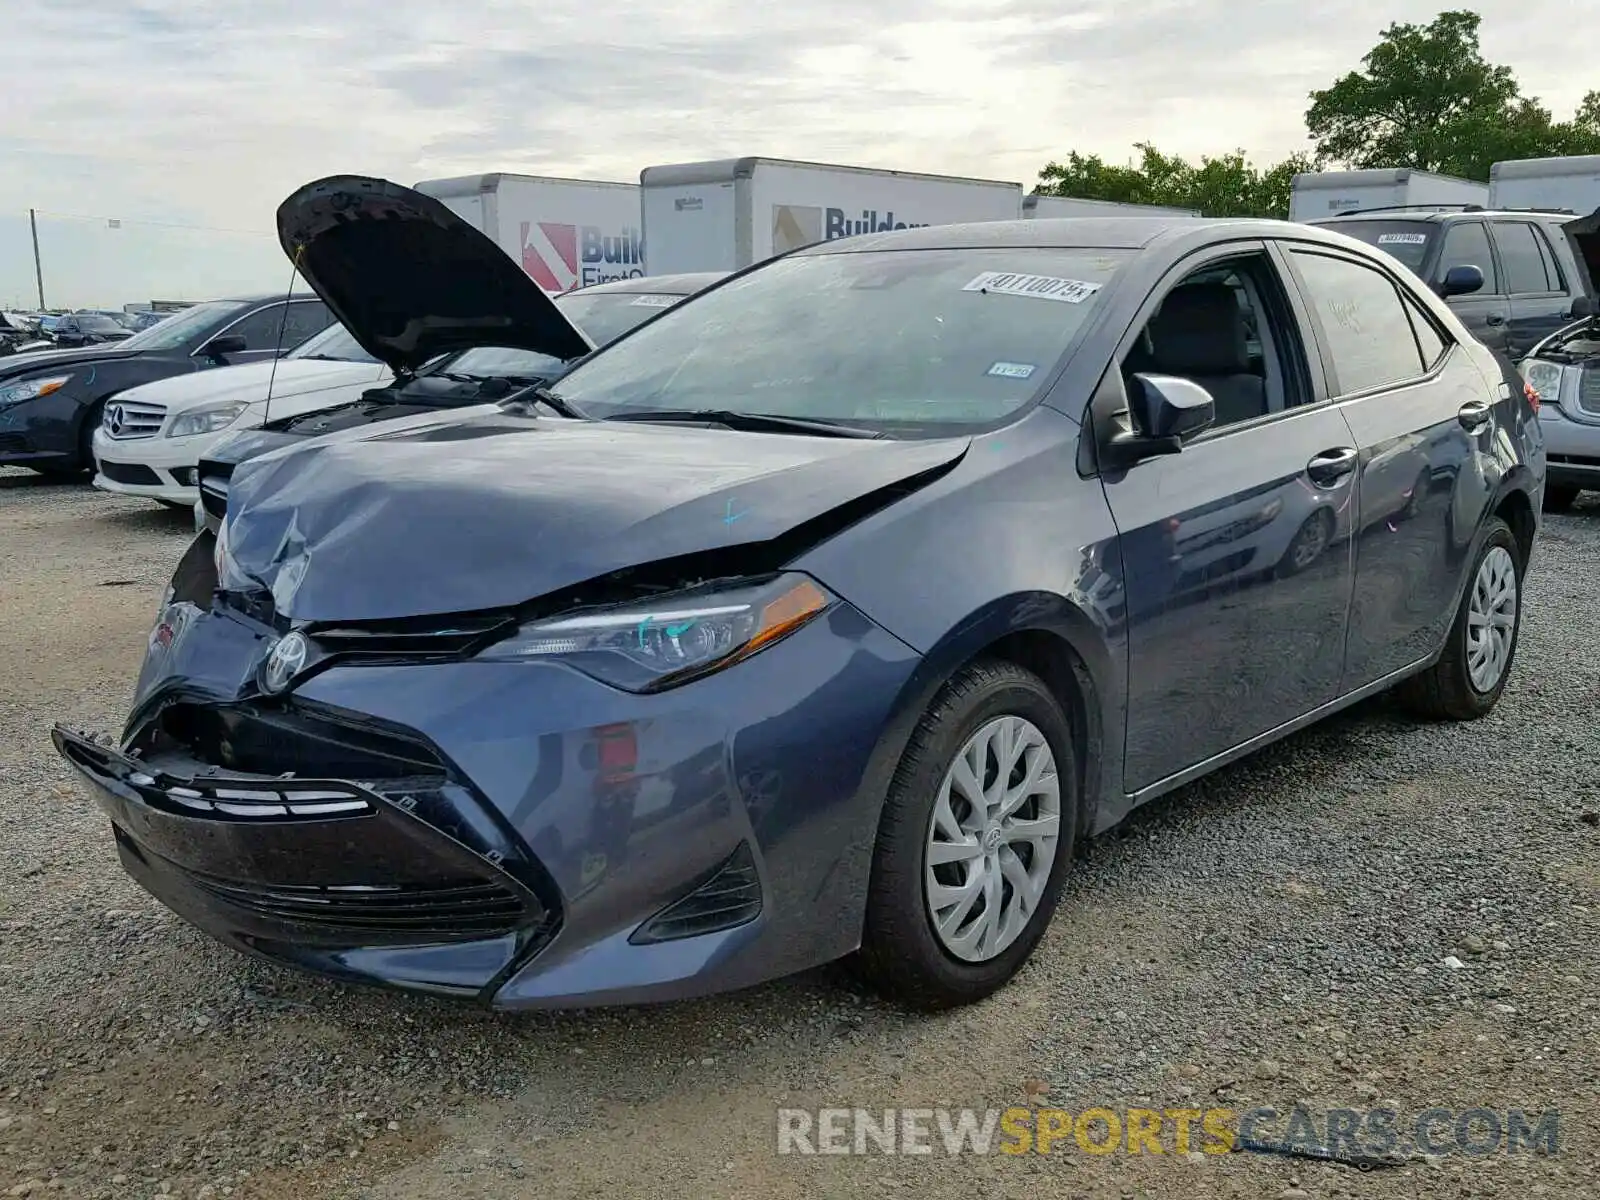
{"x": 1227, "y": 186}
{"x": 1427, "y": 98}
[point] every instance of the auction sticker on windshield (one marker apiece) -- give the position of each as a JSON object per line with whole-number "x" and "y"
{"x": 1011, "y": 370}
{"x": 1402, "y": 239}
{"x": 655, "y": 302}
{"x": 1039, "y": 287}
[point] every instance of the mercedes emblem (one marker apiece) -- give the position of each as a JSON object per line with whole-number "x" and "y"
{"x": 115, "y": 417}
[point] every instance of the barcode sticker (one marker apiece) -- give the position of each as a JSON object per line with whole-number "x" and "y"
{"x": 1039, "y": 287}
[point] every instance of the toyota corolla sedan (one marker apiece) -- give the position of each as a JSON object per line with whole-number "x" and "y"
{"x": 818, "y": 617}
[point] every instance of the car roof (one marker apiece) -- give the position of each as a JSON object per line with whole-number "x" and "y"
{"x": 684, "y": 284}
{"x": 1428, "y": 213}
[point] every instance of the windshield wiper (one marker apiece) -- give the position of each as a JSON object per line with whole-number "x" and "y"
{"x": 747, "y": 421}
{"x": 549, "y": 399}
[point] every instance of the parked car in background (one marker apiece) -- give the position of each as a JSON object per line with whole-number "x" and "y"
{"x": 16, "y": 331}
{"x": 765, "y": 637}
{"x": 151, "y": 437}
{"x": 140, "y": 321}
{"x": 463, "y": 378}
{"x": 87, "y": 329}
{"x": 51, "y": 401}
{"x": 1564, "y": 370}
{"x": 1513, "y": 277}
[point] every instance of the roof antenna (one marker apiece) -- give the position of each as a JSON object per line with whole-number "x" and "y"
{"x": 272, "y": 375}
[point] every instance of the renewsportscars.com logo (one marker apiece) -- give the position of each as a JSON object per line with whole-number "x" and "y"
{"x": 561, "y": 257}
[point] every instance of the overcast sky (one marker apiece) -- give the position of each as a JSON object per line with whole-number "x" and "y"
{"x": 208, "y": 112}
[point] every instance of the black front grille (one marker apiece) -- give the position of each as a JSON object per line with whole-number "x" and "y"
{"x": 13, "y": 443}
{"x": 732, "y": 896}
{"x": 262, "y": 740}
{"x": 461, "y": 910}
{"x": 133, "y": 474}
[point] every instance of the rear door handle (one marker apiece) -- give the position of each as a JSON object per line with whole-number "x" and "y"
{"x": 1494, "y": 319}
{"x": 1473, "y": 415}
{"x": 1329, "y": 467}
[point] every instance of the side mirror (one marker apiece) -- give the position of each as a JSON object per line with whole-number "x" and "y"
{"x": 1461, "y": 280}
{"x": 1585, "y": 306}
{"x": 230, "y": 343}
{"x": 1169, "y": 411}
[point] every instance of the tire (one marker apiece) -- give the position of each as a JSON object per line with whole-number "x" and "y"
{"x": 1313, "y": 538}
{"x": 1559, "y": 498}
{"x": 1447, "y": 690}
{"x": 91, "y": 422}
{"x": 902, "y": 954}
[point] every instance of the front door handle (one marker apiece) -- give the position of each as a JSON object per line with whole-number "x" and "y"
{"x": 1329, "y": 467}
{"x": 1473, "y": 415}
{"x": 1495, "y": 319}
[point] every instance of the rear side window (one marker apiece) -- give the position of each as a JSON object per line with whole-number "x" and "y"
{"x": 1552, "y": 267}
{"x": 1467, "y": 245}
{"x": 1365, "y": 327}
{"x": 1520, "y": 258}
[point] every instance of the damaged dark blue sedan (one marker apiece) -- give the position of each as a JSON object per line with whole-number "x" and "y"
{"x": 818, "y": 616}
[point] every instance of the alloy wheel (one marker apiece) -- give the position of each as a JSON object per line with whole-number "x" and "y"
{"x": 992, "y": 839}
{"x": 1491, "y": 618}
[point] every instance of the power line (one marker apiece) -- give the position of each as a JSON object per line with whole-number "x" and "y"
{"x": 118, "y": 222}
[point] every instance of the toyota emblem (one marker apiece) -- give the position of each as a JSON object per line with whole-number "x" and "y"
{"x": 115, "y": 416}
{"x": 284, "y": 661}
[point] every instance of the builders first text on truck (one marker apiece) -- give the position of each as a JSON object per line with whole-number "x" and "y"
{"x": 566, "y": 233}
{"x": 730, "y": 213}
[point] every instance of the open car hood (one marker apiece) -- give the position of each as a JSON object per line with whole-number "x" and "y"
{"x": 411, "y": 280}
{"x": 1584, "y": 234}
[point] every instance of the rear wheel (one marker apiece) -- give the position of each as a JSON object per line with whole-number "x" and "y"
{"x": 975, "y": 840}
{"x": 1471, "y": 673}
{"x": 1559, "y": 498}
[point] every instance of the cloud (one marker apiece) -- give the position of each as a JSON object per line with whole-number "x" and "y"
{"x": 207, "y": 115}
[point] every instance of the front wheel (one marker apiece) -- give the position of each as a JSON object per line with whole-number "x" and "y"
{"x": 974, "y": 843}
{"x": 1467, "y": 680}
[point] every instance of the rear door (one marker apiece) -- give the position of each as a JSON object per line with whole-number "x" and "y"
{"x": 1487, "y": 312}
{"x": 1538, "y": 292}
{"x": 1414, "y": 402}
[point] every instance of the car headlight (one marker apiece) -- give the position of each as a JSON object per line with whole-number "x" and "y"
{"x": 656, "y": 644}
{"x": 208, "y": 418}
{"x": 1544, "y": 378}
{"x": 31, "y": 389}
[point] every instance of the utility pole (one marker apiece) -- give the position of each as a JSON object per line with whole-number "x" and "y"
{"x": 38, "y": 271}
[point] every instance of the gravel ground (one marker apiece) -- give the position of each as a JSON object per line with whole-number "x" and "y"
{"x": 1274, "y": 934}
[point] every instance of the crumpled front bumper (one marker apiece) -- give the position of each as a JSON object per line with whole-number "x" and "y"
{"x": 656, "y": 846}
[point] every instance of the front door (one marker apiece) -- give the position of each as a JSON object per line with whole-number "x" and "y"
{"x": 1486, "y": 312}
{"x": 1235, "y": 559}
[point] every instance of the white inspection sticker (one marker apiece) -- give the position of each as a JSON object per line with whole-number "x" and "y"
{"x": 655, "y": 302}
{"x": 1402, "y": 239}
{"x": 1040, "y": 287}
{"x": 1007, "y": 370}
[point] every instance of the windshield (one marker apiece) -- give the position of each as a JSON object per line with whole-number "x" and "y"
{"x": 181, "y": 326}
{"x": 606, "y": 316}
{"x": 333, "y": 342}
{"x": 910, "y": 341}
{"x": 486, "y": 362}
{"x": 1406, "y": 241}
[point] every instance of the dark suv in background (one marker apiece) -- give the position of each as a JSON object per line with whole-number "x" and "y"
{"x": 1534, "y": 278}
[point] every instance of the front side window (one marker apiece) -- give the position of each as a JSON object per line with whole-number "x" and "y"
{"x": 265, "y": 329}
{"x": 908, "y": 342}
{"x": 1467, "y": 245}
{"x": 307, "y": 318}
{"x": 1367, "y": 331}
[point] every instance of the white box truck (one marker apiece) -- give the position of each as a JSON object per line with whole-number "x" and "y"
{"x": 1571, "y": 182}
{"x": 1317, "y": 194}
{"x": 566, "y": 233}
{"x": 727, "y": 214}
{"x": 1046, "y": 207}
